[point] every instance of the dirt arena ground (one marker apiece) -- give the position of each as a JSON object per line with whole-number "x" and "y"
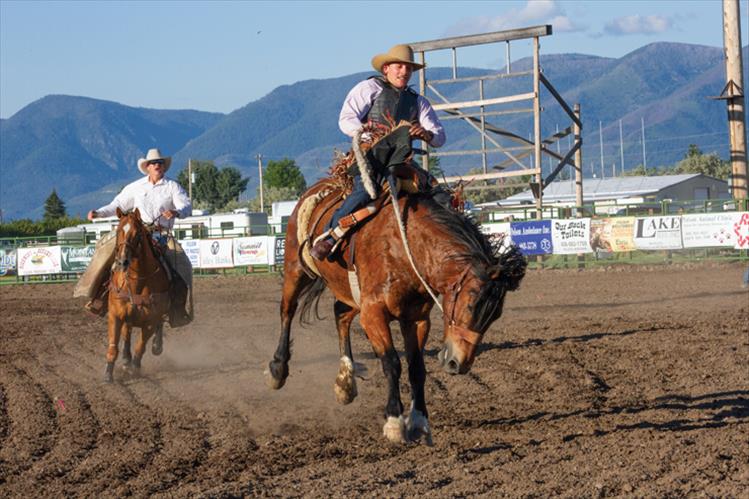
{"x": 598, "y": 383}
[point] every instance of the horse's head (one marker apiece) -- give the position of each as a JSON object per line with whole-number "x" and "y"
{"x": 130, "y": 236}
{"x": 473, "y": 303}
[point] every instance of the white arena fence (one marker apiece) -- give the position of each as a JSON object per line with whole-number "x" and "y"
{"x": 540, "y": 240}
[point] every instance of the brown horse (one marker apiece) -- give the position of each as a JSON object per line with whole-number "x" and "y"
{"x": 454, "y": 258}
{"x": 138, "y": 294}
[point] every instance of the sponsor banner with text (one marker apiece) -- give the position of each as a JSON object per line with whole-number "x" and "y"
{"x": 741, "y": 230}
{"x": 215, "y": 253}
{"x": 612, "y": 234}
{"x": 705, "y": 230}
{"x": 39, "y": 261}
{"x": 191, "y": 247}
{"x": 570, "y": 237}
{"x": 533, "y": 238}
{"x": 76, "y": 258}
{"x": 251, "y": 251}
{"x": 658, "y": 233}
{"x": 7, "y": 262}
{"x": 279, "y": 249}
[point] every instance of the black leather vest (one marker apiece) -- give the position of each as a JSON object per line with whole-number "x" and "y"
{"x": 396, "y": 104}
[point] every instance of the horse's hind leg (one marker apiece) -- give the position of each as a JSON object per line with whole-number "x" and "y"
{"x": 127, "y": 355}
{"x": 140, "y": 347}
{"x": 114, "y": 327}
{"x": 345, "y": 383}
{"x": 295, "y": 281}
{"x": 415, "y": 336}
{"x": 157, "y": 345}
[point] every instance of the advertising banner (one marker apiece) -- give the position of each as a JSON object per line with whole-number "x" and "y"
{"x": 251, "y": 251}
{"x": 658, "y": 233}
{"x": 612, "y": 234}
{"x": 533, "y": 238}
{"x": 215, "y": 253}
{"x": 498, "y": 230}
{"x": 705, "y": 230}
{"x": 38, "y": 261}
{"x": 76, "y": 258}
{"x": 7, "y": 262}
{"x": 279, "y": 249}
{"x": 570, "y": 237}
{"x": 741, "y": 230}
{"x": 191, "y": 247}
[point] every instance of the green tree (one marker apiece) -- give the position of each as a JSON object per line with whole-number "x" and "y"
{"x": 271, "y": 195}
{"x": 284, "y": 173}
{"x": 54, "y": 208}
{"x": 708, "y": 164}
{"x": 641, "y": 171}
{"x": 213, "y": 188}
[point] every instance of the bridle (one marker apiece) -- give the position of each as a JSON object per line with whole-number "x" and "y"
{"x": 465, "y": 334}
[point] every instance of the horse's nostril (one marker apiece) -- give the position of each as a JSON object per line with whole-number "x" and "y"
{"x": 452, "y": 366}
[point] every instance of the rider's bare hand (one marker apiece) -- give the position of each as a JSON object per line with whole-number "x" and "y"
{"x": 169, "y": 214}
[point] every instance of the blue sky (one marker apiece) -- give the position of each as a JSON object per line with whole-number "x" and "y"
{"x": 219, "y": 56}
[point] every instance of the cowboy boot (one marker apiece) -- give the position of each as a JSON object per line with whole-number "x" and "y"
{"x": 322, "y": 248}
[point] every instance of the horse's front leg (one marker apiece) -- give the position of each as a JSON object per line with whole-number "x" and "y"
{"x": 345, "y": 383}
{"x": 295, "y": 281}
{"x": 114, "y": 328}
{"x": 415, "y": 334}
{"x": 375, "y": 321}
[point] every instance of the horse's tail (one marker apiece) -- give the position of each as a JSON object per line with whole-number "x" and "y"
{"x": 310, "y": 300}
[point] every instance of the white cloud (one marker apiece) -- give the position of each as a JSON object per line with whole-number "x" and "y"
{"x": 532, "y": 13}
{"x": 638, "y": 25}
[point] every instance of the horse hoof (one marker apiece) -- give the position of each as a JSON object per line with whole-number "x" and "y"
{"x": 395, "y": 429}
{"x": 417, "y": 428}
{"x": 157, "y": 348}
{"x": 345, "y": 384}
{"x": 276, "y": 374}
{"x": 273, "y": 382}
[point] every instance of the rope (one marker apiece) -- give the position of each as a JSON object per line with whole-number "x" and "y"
{"x": 402, "y": 229}
{"x": 364, "y": 169}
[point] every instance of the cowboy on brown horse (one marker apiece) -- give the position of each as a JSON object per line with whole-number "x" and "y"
{"x": 159, "y": 200}
{"x": 381, "y": 100}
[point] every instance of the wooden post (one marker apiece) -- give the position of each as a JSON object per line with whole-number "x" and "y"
{"x": 537, "y": 133}
{"x": 735, "y": 100}
{"x": 578, "y": 177}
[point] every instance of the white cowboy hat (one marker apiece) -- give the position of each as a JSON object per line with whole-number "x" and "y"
{"x": 398, "y": 53}
{"x": 153, "y": 155}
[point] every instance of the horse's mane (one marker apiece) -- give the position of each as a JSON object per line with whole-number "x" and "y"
{"x": 485, "y": 256}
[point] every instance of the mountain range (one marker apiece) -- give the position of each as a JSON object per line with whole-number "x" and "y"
{"x": 87, "y": 149}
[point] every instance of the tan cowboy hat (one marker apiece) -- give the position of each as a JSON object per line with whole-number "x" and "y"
{"x": 153, "y": 154}
{"x": 399, "y": 53}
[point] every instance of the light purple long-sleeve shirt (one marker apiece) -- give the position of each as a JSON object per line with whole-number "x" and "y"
{"x": 359, "y": 101}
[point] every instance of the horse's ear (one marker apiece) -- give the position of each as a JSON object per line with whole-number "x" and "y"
{"x": 118, "y": 212}
{"x": 137, "y": 213}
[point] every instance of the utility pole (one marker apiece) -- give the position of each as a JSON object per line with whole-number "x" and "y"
{"x": 600, "y": 139}
{"x": 189, "y": 179}
{"x": 260, "y": 176}
{"x": 734, "y": 95}
{"x": 644, "y": 158}
{"x": 621, "y": 147}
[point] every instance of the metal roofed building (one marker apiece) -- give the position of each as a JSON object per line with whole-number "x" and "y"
{"x": 610, "y": 193}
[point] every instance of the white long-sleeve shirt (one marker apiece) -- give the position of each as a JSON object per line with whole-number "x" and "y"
{"x": 359, "y": 101}
{"x": 151, "y": 200}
